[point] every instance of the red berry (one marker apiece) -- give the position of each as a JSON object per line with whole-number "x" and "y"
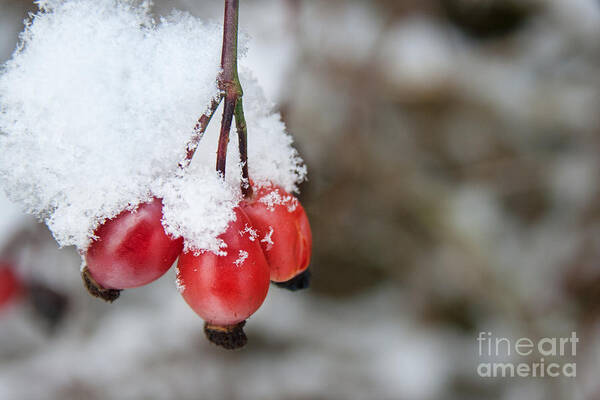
{"x": 226, "y": 289}
{"x": 283, "y": 230}
{"x": 132, "y": 249}
{"x": 10, "y": 285}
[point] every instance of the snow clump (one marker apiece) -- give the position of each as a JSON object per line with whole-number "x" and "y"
{"x": 97, "y": 106}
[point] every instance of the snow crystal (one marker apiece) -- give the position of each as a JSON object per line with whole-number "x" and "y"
{"x": 242, "y": 257}
{"x": 268, "y": 238}
{"x": 252, "y": 233}
{"x": 178, "y": 283}
{"x": 97, "y": 106}
{"x": 275, "y": 198}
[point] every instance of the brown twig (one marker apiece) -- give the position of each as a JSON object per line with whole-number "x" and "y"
{"x": 231, "y": 89}
{"x": 231, "y": 92}
{"x": 228, "y": 109}
{"x": 199, "y": 130}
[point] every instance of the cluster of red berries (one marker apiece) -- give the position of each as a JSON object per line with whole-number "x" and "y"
{"x": 269, "y": 240}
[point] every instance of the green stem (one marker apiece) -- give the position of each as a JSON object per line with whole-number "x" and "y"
{"x": 240, "y": 123}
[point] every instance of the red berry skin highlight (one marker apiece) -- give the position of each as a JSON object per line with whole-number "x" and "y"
{"x": 10, "y": 286}
{"x": 283, "y": 230}
{"x": 132, "y": 249}
{"x": 226, "y": 289}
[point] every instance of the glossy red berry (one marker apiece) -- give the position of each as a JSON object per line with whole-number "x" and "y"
{"x": 10, "y": 285}
{"x": 226, "y": 289}
{"x": 283, "y": 230}
{"x": 132, "y": 249}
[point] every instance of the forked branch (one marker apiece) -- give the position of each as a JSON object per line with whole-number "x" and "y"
{"x": 230, "y": 91}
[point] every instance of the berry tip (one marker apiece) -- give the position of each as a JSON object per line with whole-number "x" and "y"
{"x": 229, "y": 337}
{"x": 299, "y": 282}
{"x": 96, "y": 290}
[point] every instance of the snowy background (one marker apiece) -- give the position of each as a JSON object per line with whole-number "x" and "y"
{"x": 453, "y": 155}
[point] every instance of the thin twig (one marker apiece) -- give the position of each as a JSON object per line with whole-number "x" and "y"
{"x": 231, "y": 91}
{"x": 229, "y": 83}
{"x": 199, "y": 130}
{"x": 224, "y": 135}
{"x": 229, "y": 75}
{"x": 228, "y": 80}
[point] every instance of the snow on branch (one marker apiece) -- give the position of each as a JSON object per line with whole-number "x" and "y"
{"x": 97, "y": 107}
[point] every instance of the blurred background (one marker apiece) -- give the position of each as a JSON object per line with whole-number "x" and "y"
{"x": 453, "y": 149}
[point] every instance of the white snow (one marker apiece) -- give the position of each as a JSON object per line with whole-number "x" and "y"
{"x": 275, "y": 198}
{"x": 178, "y": 282}
{"x": 252, "y": 233}
{"x": 243, "y": 255}
{"x": 198, "y": 205}
{"x": 268, "y": 238}
{"x": 97, "y": 106}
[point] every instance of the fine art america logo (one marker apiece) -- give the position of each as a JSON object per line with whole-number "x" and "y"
{"x": 546, "y": 357}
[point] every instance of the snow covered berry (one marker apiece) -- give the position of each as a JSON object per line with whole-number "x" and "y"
{"x": 130, "y": 250}
{"x": 283, "y": 230}
{"x": 10, "y": 285}
{"x": 107, "y": 99}
{"x": 227, "y": 287}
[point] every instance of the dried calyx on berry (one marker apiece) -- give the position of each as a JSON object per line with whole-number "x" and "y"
{"x": 229, "y": 337}
{"x": 97, "y": 290}
{"x": 299, "y": 282}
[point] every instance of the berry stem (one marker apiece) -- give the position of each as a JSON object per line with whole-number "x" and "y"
{"x": 199, "y": 130}
{"x": 228, "y": 109}
{"x": 231, "y": 90}
{"x": 229, "y": 81}
{"x": 240, "y": 123}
